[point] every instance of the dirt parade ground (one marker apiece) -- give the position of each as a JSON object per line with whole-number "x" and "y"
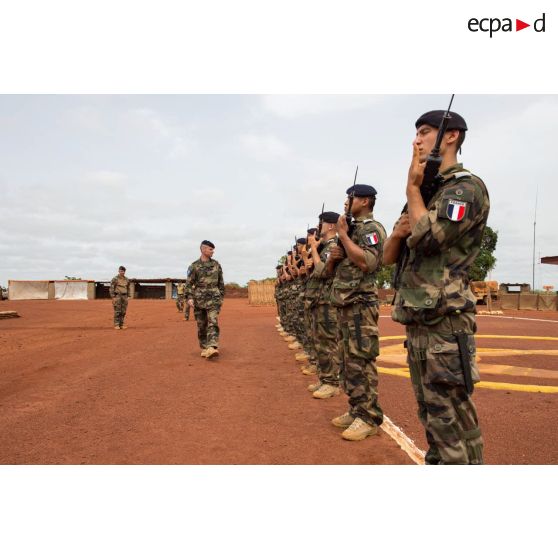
{"x": 74, "y": 390}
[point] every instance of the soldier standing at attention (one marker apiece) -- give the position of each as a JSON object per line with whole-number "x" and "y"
{"x": 205, "y": 292}
{"x": 434, "y": 245}
{"x": 324, "y": 315}
{"x": 180, "y": 297}
{"x": 355, "y": 294}
{"x": 119, "y": 292}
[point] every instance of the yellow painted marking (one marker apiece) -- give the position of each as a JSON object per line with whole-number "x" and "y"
{"x": 404, "y": 373}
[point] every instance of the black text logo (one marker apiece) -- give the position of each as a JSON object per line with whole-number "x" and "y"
{"x": 493, "y": 25}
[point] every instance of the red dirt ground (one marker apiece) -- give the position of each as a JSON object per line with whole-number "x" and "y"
{"x": 74, "y": 390}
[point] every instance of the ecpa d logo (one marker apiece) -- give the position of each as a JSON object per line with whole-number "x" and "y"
{"x": 492, "y": 25}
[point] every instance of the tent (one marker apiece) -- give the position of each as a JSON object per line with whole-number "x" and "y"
{"x": 70, "y": 290}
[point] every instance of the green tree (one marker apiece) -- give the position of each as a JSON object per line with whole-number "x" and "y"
{"x": 384, "y": 276}
{"x": 485, "y": 261}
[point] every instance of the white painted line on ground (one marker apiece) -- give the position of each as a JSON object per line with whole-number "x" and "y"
{"x": 403, "y": 441}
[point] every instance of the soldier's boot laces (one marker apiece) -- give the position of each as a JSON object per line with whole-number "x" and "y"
{"x": 211, "y": 352}
{"x": 359, "y": 430}
{"x": 325, "y": 391}
{"x": 344, "y": 421}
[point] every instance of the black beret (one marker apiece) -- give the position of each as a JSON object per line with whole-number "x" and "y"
{"x": 312, "y": 230}
{"x": 362, "y": 191}
{"x": 301, "y": 240}
{"x": 434, "y": 119}
{"x": 122, "y": 268}
{"x": 208, "y": 243}
{"x": 329, "y": 217}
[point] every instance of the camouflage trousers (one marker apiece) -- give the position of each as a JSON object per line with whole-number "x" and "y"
{"x": 310, "y": 330}
{"x": 324, "y": 318}
{"x": 445, "y": 409}
{"x": 357, "y": 336}
{"x": 180, "y": 302}
{"x": 208, "y": 329}
{"x": 120, "y": 304}
{"x": 187, "y": 308}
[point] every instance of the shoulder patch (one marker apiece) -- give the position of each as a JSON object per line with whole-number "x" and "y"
{"x": 372, "y": 239}
{"x": 456, "y": 210}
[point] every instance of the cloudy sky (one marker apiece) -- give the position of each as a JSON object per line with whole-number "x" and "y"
{"x": 91, "y": 182}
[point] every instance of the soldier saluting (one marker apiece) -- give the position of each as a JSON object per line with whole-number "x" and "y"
{"x": 434, "y": 243}
{"x": 205, "y": 291}
{"x": 355, "y": 295}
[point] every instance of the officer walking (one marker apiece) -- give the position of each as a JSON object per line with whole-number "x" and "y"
{"x": 205, "y": 291}
{"x": 434, "y": 244}
{"x": 119, "y": 292}
{"x": 355, "y": 295}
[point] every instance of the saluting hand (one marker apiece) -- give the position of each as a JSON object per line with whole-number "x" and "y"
{"x": 416, "y": 170}
{"x": 342, "y": 227}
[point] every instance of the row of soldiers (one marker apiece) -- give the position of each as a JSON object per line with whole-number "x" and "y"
{"x": 327, "y": 296}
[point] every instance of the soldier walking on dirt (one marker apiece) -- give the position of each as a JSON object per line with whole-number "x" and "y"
{"x": 205, "y": 291}
{"x": 434, "y": 243}
{"x": 119, "y": 292}
{"x": 355, "y": 295}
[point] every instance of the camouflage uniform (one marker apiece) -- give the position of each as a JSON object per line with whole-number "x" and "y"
{"x": 435, "y": 302}
{"x": 310, "y": 298}
{"x": 324, "y": 322}
{"x": 355, "y": 294}
{"x": 119, "y": 292}
{"x": 186, "y": 305}
{"x": 206, "y": 287}
{"x": 180, "y": 296}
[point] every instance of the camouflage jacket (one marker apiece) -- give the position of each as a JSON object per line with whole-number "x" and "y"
{"x": 351, "y": 284}
{"x": 205, "y": 284}
{"x": 119, "y": 286}
{"x": 323, "y": 282}
{"x": 434, "y": 280}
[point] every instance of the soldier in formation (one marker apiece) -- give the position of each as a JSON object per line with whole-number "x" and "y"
{"x": 328, "y": 306}
{"x": 205, "y": 290}
{"x": 434, "y": 244}
{"x": 119, "y": 292}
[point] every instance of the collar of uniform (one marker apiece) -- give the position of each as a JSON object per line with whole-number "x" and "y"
{"x": 364, "y": 217}
{"x": 450, "y": 171}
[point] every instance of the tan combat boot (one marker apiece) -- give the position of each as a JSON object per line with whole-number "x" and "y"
{"x": 290, "y": 339}
{"x": 313, "y": 387}
{"x": 344, "y": 421}
{"x": 116, "y": 327}
{"x": 302, "y": 357}
{"x": 295, "y": 345}
{"x": 211, "y": 352}
{"x": 325, "y": 391}
{"x": 359, "y": 430}
{"x": 203, "y": 353}
{"x": 309, "y": 369}
{"x": 123, "y": 326}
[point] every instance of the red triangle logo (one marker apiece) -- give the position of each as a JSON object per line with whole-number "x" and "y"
{"x": 519, "y": 25}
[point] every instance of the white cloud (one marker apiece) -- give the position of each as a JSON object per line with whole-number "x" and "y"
{"x": 295, "y": 106}
{"x": 264, "y": 147}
